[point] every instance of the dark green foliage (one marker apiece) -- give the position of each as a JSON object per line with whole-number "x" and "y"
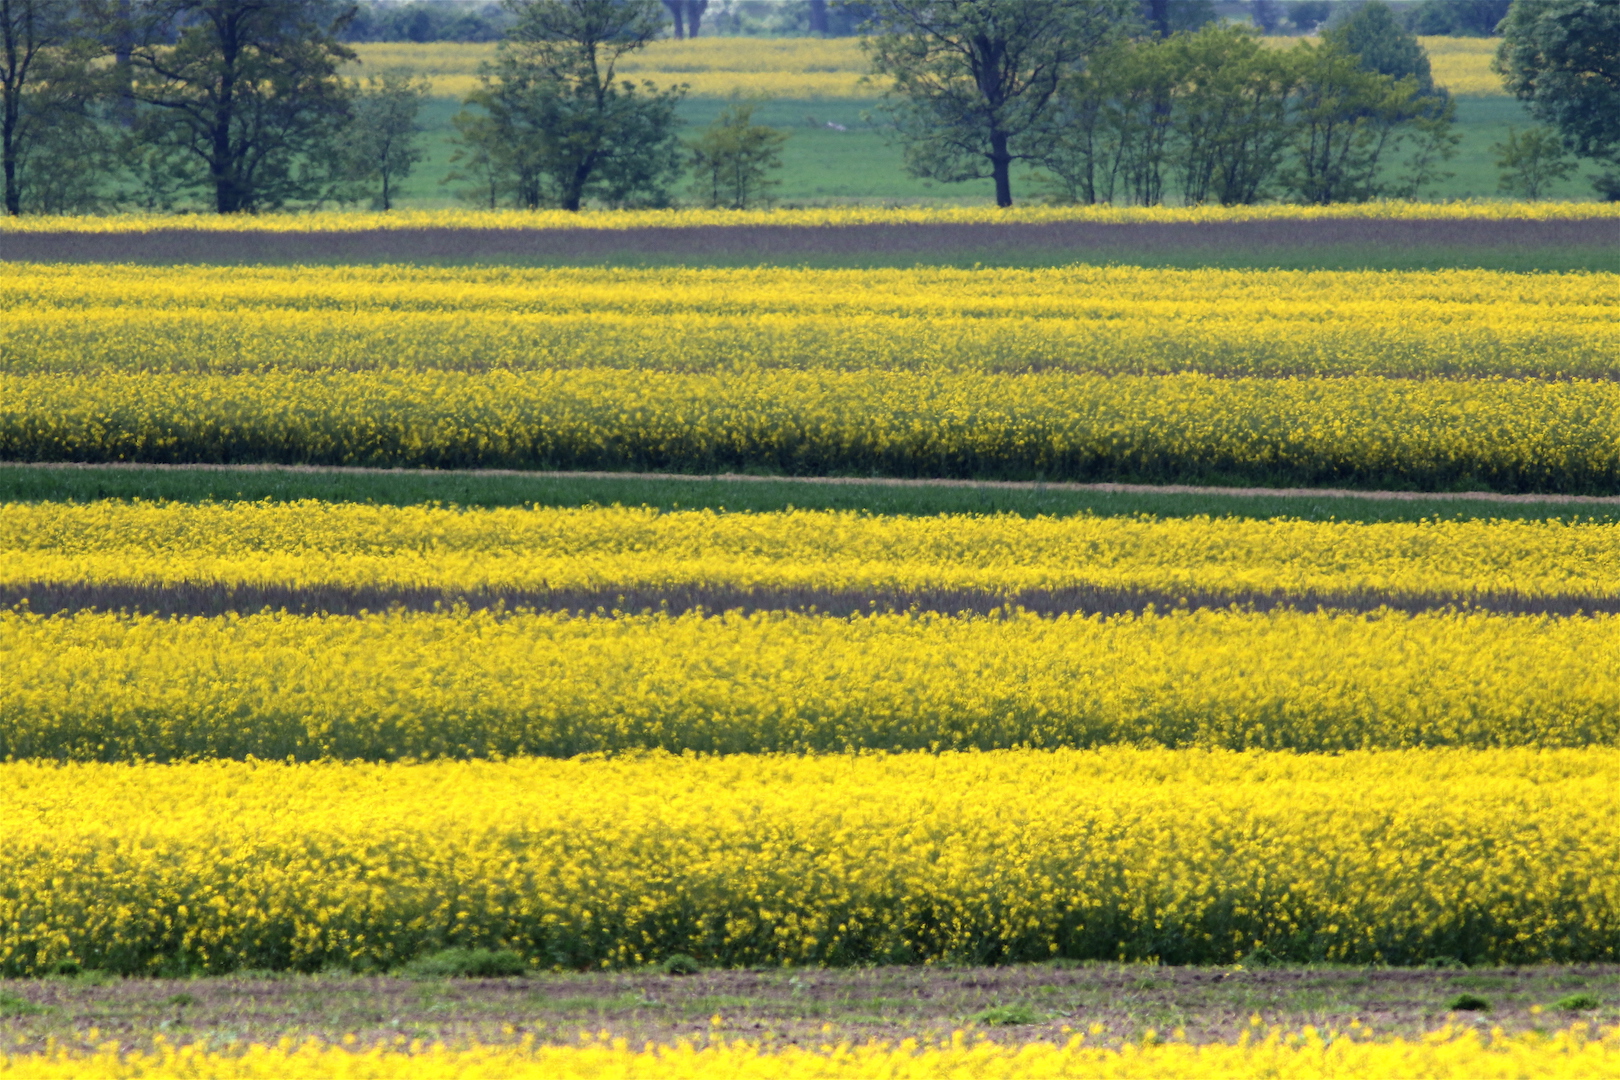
{"x": 733, "y": 160}
{"x": 1374, "y": 36}
{"x": 428, "y": 20}
{"x": 1468, "y": 1003}
{"x": 245, "y": 102}
{"x": 555, "y": 126}
{"x": 1007, "y": 1016}
{"x": 14, "y": 1005}
{"x": 180, "y": 1001}
{"x": 380, "y": 143}
{"x": 1531, "y": 162}
{"x": 1577, "y": 1003}
{"x": 680, "y": 964}
{"x": 1457, "y": 18}
{"x": 975, "y": 83}
{"x": 1563, "y": 57}
{"x": 467, "y": 964}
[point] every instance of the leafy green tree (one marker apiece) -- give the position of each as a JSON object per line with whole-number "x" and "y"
{"x": 1376, "y": 37}
{"x": 1563, "y": 58}
{"x": 1460, "y": 18}
{"x": 242, "y": 95}
{"x": 1346, "y": 119}
{"x": 976, "y": 79}
{"x": 46, "y": 92}
{"x": 562, "y": 126}
{"x": 733, "y": 159}
{"x": 382, "y": 138}
{"x": 1231, "y": 114}
{"x": 1531, "y": 162}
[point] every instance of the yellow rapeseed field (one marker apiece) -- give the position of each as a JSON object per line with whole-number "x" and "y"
{"x": 1575, "y": 1053}
{"x": 1523, "y": 435}
{"x": 416, "y": 685}
{"x": 313, "y": 543}
{"x": 1078, "y": 318}
{"x": 346, "y": 221}
{"x": 1187, "y": 856}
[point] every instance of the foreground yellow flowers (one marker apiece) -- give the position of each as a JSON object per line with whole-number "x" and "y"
{"x": 309, "y": 543}
{"x": 427, "y": 685}
{"x": 1188, "y": 856}
{"x": 1107, "y": 319}
{"x": 1576, "y": 1054}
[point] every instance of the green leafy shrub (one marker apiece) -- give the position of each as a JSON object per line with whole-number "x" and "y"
{"x": 468, "y": 964}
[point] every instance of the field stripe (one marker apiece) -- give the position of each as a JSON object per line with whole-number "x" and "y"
{"x": 853, "y": 481}
{"x": 210, "y": 599}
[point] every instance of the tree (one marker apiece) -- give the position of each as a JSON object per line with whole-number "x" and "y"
{"x": 381, "y": 141}
{"x": 1531, "y": 162}
{"x": 1165, "y": 17}
{"x": 43, "y": 82}
{"x": 974, "y": 79}
{"x": 688, "y": 16}
{"x": 561, "y": 126}
{"x": 1231, "y": 113}
{"x": 244, "y": 92}
{"x": 1462, "y": 18}
{"x": 732, "y": 161}
{"x": 1345, "y": 119}
{"x": 1563, "y": 57}
{"x": 1378, "y": 40}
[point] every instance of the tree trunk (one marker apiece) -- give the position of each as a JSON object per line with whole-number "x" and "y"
{"x": 1159, "y": 16}
{"x": 694, "y": 16}
{"x": 677, "y": 11}
{"x": 818, "y": 16}
{"x": 8, "y": 156}
{"x": 1001, "y": 168}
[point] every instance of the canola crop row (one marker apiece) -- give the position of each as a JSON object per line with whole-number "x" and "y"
{"x": 1230, "y": 322}
{"x": 347, "y": 221}
{"x": 1311, "y": 1054}
{"x": 1501, "y": 434}
{"x": 419, "y": 685}
{"x": 313, "y": 544}
{"x": 1190, "y": 857}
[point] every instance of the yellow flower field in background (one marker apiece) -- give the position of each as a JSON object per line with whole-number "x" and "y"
{"x": 807, "y": 68}
{"x": 1272, "y": 322}
{"x": 800, "y": 68}
{"x": 312, "y": 544}
{"x": 1488, "y": 856}
{"x": 1509, "y": 435}
{"x": 347, "y": 221}
{"x": 1576, "y": 1053}
{"x": 423, "y": 685}
{"x": 1463, "y": 65}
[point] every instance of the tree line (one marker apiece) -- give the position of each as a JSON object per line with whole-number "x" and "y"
{"x": 153, "y": 104}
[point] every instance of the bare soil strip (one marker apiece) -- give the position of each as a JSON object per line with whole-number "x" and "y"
{"x": 1073, "y": 240}
{"x": 990, "y": 485}
{"x": 806, "y": 1007}
{"x": 207, "y": 599}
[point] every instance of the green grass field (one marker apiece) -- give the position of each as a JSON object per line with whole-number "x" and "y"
{"x": 27, "y": 483}
{"x": 823, "y": 166}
